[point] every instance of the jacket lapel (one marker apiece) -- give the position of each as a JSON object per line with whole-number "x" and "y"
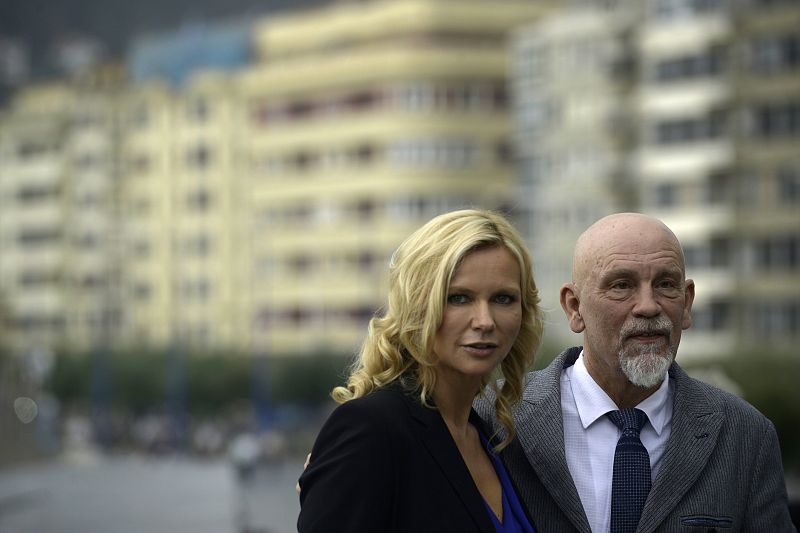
{"x": 696, "y": 422}
{"x": 439, "y": 443}
{"x": 539, "y": 424}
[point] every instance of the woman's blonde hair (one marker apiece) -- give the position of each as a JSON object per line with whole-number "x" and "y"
{"x": 399, "y": 344}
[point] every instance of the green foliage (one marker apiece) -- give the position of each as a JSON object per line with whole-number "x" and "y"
{"x": 70, "y": 378}
{"x": 770, "y": 384}
{"x": 139, "y": 381}
{"x": 217, "y": 382}
{"x": 307, "y": 380}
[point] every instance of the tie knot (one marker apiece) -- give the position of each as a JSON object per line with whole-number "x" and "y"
{"x": 626, "y": 419}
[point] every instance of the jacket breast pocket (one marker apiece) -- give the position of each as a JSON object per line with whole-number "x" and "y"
{"x": 707, "y": 523}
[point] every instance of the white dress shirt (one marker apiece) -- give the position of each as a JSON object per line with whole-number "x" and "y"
{"x": 590, "y": 438}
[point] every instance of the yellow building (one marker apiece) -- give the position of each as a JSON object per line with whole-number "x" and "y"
{"x": 364, "y": 120}
{"x": 185, "y": 269}
{"x": 147, "y": 214}
{"x": 33, "y": 209}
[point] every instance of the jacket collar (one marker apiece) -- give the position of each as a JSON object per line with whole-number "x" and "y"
{"x": 436, "y": 439}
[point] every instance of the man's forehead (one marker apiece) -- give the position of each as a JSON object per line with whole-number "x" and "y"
{"x": 660, "y": 261}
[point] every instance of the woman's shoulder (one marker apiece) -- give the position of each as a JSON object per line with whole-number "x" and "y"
{"x": 380, "y": 414}
{"x": 390, "y": 398}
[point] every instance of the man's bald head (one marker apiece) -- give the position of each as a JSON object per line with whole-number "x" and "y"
{"x": 611, "y": 231}
{"x": 630, "y": 298}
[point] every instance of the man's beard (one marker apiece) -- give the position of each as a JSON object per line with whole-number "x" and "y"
{"x": 647, "y": 366}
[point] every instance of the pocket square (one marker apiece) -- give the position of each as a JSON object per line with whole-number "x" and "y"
{"x": 703, "y": 520}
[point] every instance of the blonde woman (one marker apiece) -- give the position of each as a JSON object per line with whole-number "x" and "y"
{"x": 405, "y": 451}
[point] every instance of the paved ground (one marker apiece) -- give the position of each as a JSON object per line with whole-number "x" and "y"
{"x": 140, "y": 494}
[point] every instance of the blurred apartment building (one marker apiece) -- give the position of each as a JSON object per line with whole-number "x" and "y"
{"x": 365, "y": 119}
{"x": 713, "y": 91}
{"x": 59, "y": 233}
{"x": 116, "y": 214}
{"x": 253, "y": 206}
{"x": 720, "y": 161}
{"x": 572, "y": 84}
{"x": 180, "y": 201}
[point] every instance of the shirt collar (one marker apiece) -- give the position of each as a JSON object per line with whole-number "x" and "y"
{"x": 593, "y": 402}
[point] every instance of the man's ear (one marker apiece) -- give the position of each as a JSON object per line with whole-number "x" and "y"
{"x": 570, "y": 303}
{"x": 686, "y": 320}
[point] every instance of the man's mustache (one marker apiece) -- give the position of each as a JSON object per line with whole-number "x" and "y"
{"x": 647, "y": 326}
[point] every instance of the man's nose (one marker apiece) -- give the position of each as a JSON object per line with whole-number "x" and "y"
{"x": 646, "y": 303}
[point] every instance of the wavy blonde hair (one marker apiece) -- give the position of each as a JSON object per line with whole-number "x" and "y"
{"x": 399, "y": 344}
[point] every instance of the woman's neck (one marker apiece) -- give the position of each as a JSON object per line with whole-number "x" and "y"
{"x": 454, "y": 403}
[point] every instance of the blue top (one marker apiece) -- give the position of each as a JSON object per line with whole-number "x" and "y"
{"x": 514, "y": 518}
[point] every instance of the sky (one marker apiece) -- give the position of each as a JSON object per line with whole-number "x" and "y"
{"x": 42, "y": 23}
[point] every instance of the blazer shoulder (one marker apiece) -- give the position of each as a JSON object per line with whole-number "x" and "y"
{"x": 379, "y": 408}
{"x": 735, "y": 408}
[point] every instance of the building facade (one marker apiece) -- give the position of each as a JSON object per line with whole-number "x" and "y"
{"x": 720, "y": 132}
{"x": 712, "y": 91}
{"x": 573, "y": 80}
{"x": 363, "y": 121}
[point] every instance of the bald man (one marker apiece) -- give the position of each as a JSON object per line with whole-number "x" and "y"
{"x": 715, "y": 463}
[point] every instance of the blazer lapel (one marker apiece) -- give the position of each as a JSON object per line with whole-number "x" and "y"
{"x": 539, "y": 424}
{"x": 437, "y": 440}
{"x": 696, "y": 422}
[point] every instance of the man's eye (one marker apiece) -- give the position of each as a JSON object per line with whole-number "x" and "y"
{"x": 621, "y": 285}
{"x": 457, "y": 299}
{"x": 667, "y": 284}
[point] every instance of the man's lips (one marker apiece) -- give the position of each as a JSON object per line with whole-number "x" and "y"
{"x": 647, "y": 336}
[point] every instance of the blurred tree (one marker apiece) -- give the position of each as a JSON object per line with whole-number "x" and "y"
{"x": 769, "y": 382}
{"x": 307, "y": 380}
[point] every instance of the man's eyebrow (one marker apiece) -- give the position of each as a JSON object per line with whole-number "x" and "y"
{"x": 631, "y": 273}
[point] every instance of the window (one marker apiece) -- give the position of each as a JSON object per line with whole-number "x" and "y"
{"x": 719, "y": 188}
{"x": 141, "y": 291}
{"x": 782, "y": 317}
{"x": 197, "y": 109}
{"x": 788, "y": 185}
{"x": 710, "y": 63}
{"x": 665, "y": 194}
{"x": 33, "y": 279}
{"x": 776, "y": 253}
{"x": 139, "y": 116}
{"x": 679, "y": 9}
{"x": 198, "y": 201}
{"x": 433, "y": 153}
{"x": 714, "y": 317}
{"x": 777, "y": 120}
{"x": 775, "y": 53}
{"x": 38, "y": 237}
{"x": 691, "y": 129}
{"x": 37, "y": 193}
{"x": 197, "y": 245}
{"x": 198, "y": 156}
{"x": 138, "y": 163}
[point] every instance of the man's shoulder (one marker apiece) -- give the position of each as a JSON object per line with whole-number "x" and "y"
{"x": 700, "y": 393}
{"x": 553, "y": 370}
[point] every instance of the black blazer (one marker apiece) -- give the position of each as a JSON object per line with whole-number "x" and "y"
{"x": 385, "y": 463}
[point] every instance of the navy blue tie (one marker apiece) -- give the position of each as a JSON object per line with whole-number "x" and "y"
{"x": 631, "y": 480}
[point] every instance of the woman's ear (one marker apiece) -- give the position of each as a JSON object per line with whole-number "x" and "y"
{"x": 570, "y": 303}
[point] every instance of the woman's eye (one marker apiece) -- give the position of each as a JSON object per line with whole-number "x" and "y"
{"x": 457, "y": 299}
{"x": 505, "y": 299}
